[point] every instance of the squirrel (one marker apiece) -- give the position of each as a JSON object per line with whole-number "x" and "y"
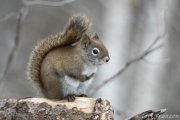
{"x": 63, "y": 65}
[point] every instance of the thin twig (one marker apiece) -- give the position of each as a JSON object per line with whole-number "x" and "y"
{"x": 21, "y": 16}
{"x": 150, "y": 50}
{"x": 24, "y": 11}
{"x": 156, "y": 40}
{"x": 47, "y": 3}
{"x": 8, "y": 16}
{"x": 16, "y": 42}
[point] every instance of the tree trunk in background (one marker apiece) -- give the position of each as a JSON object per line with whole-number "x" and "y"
{"x": 115, "y": 30}
{"x": 146, "y": 75}
{"x": 172, "y": 76}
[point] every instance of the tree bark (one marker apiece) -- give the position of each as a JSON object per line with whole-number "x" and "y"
{"x": 80, "y": 109}
{"x": 44, "y": 109}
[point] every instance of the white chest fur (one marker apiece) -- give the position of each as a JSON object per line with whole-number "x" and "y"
{"x": 72, "y": 86}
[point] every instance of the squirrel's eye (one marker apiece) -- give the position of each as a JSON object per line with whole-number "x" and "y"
{"x": 95, "y": 51}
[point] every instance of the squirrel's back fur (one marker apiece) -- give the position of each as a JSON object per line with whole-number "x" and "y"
{"x": 77, "y": 26}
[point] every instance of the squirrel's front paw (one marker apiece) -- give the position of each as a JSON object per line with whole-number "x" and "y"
{"x": 70, "y": 97}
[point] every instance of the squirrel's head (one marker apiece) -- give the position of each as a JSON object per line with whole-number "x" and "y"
{"x": 93, "y": 50}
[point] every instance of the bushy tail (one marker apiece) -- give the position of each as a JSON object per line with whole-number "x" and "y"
{"x": 77, "y": 26}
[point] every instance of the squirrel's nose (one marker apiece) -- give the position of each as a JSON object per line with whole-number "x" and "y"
{"x": 106, "y": 58}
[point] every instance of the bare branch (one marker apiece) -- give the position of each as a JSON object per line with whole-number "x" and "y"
{"x": 148, "y": 115}
{"x": 24, "y": 10}
{"x": 16, "y": 42}
{"x": 8, "y": 16}
{"x": 150, "y": 50}
{"x": 47, "y": 3}
{"x": 156, "y": 40}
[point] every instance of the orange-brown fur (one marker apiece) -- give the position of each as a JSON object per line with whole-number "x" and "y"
{"x": 59, "y": 60}
{"x": 77, "y": 26}
{"x": 55, "y": 58}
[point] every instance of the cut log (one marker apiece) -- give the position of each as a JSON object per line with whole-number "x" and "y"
{"x": 44, "y": 109}
{"x": 80, "y": 109}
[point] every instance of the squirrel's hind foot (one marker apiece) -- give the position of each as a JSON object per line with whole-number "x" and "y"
{"x": 70, "y": 97}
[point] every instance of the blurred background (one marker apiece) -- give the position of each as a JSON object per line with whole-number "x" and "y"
{"x": 127, "y": 28}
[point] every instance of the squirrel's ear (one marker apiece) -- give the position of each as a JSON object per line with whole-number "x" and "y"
{"x": 85, "y": 41}
{"x": 95, "y": 36}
